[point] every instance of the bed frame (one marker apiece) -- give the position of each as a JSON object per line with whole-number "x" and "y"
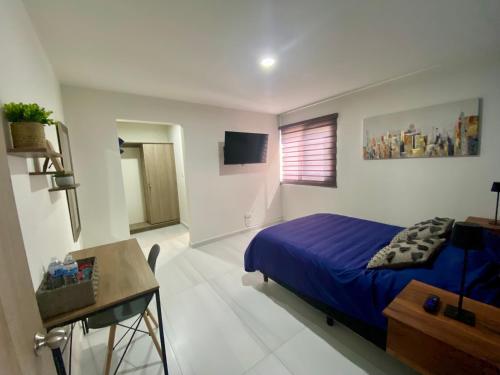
{"x": 369, "y": 332}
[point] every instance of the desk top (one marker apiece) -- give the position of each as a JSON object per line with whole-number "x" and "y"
{"x": 124, "y": 274}
{"x": 481, "y": 341}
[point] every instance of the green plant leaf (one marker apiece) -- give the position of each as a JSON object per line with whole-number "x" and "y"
{"x": 21, "y": 112}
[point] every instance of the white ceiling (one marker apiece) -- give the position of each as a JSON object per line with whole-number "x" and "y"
{"x": 207, "y": 51}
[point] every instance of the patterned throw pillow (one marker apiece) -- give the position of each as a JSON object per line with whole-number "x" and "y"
{"x": 406, "y": 253}
{"x": 437, "y": 227}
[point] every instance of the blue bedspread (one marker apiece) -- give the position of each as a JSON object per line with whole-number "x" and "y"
{"x": 324, "y": 257}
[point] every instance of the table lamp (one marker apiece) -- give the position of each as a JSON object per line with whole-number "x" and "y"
{"x": 466, "y": 236}
{"x": 496, "y": 188}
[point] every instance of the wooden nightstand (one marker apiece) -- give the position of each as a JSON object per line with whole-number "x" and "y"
{"x": 485, "y": 223}
{"x": 435, "y": 344}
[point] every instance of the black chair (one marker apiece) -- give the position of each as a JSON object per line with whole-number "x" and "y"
{"x": 114, "y": 316}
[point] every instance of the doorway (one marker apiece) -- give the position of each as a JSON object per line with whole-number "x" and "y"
{"x": 152, "y": 161}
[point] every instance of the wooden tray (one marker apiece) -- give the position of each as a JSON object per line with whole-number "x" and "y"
{"x": 53, "y": 302}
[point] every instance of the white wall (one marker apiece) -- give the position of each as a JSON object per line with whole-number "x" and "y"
{"x": 26, "y": 75}
{"x": 131, "y": 164}
{"x": 152, "y": 133}
{"x": 143, "y": 132}
{"x": 133, "y": 183}
{"x": 176, "y": 136}
{"x": 404, "y": 191}
{"x": 217, "y": 204}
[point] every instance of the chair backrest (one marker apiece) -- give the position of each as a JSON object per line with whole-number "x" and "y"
{"x": 117, "y": 314}
{"x": 153, "y": 255}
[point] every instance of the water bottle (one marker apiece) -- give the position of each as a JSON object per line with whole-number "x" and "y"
{"x": 56, "y": 271}
{"x": 70, "y": 270}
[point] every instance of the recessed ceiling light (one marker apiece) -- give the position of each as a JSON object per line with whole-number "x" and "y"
{"x": 267, "y": 62}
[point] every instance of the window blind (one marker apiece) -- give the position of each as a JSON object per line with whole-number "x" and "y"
{"x": 309, "y": 152}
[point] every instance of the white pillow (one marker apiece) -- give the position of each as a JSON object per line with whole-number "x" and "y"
{"x": 407, "y": 253}
{"x": 437, "y": 227}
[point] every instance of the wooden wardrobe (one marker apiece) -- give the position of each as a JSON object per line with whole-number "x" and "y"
{"x": 160, "y": 183}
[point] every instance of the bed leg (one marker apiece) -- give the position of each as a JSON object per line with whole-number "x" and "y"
{"x": 266, "y": 279}
{"x": 330, "y": 321}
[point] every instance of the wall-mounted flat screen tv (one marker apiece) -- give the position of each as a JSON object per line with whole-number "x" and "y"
{"x": 245, "y": 148}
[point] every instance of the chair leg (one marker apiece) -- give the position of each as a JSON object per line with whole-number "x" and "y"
{"x": 111, "y": 341}
{"x": 151, "y": 316}
{"x": 128, "y": 345}
{"x": 152, "y": 334}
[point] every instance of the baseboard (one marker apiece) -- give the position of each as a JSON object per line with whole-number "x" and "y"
{"x": 222, "y": 236}
{"x": 143, "y": 227}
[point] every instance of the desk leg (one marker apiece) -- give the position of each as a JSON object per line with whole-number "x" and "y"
{"x": 58, "y": 361}
{"x": 71, "y": 347}
{"x": 162, "y": 338}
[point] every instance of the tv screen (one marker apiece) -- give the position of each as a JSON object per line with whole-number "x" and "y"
{"x": 245, "y": 148}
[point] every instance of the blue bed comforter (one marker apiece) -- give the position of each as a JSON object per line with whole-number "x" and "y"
{"x": 324, "y": 257}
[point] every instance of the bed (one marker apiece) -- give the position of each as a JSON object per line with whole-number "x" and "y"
{"x": 323, "y": 259}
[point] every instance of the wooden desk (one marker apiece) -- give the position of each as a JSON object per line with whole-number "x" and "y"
{"x": 485, "y": 223}
{"x": 436, "y": 344}
{"x": 124, "y": 274}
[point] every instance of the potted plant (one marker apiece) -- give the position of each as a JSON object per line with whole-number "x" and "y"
{"x": 64, "y": 179}
{"x": 27, "y": 121}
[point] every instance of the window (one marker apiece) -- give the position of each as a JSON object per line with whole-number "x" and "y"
{"x": 309, "y": 152}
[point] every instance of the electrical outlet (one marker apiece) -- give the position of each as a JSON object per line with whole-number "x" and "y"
{"x": 248, "y": 219}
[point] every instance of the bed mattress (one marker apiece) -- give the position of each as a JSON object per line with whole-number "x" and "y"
{"x": 324, "y": 257}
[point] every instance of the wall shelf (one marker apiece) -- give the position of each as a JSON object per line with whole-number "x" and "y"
{"x": 60, "y": 188}
{"x": 41, "y": 152}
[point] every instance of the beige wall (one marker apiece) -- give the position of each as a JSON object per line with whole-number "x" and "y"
{"x": 26, "y": 75}
{"x": 403, "y": 191}
{"x": 217, "y": 204}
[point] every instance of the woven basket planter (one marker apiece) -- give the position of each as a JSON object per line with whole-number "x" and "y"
{"x": 27, "y": 135}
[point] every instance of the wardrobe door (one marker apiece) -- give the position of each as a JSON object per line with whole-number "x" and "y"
{"x": 161, "y": 185}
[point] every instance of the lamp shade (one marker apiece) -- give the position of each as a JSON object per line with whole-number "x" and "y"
{"x": 495, "y": 187}
{"x": 467, "y": 236}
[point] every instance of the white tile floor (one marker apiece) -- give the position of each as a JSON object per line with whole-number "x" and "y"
{"x": 221, "y": 320}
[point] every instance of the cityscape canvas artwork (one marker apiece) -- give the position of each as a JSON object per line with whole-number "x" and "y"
{"x": 445, "y": 130}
